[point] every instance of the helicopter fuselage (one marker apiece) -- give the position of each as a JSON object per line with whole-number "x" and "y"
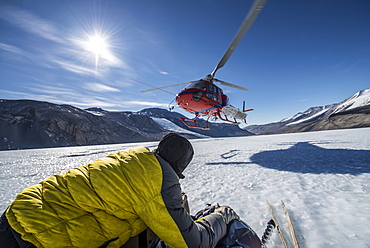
{"x": 202, "y": 98}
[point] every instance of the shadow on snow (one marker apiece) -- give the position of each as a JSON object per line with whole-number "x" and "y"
{"x": 304, "y": 157}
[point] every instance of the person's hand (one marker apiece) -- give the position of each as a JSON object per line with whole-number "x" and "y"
{"x": 227, "y": 213}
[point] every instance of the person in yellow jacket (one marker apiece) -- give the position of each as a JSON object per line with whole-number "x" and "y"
{"x": 104, "y": 203}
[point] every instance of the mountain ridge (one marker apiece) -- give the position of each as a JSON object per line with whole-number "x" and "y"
{"x": 355, "y": 112}
{"x": 28, "y": 124}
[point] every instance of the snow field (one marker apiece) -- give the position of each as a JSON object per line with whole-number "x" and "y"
{"x": 329, "y": 207}
{"x": 323, "y": 178}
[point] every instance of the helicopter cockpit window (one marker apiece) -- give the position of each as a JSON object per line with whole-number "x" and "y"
{"x": 212, "y": 88}
{"x": 212, "y": 92}
{"x": 197, "y": 85}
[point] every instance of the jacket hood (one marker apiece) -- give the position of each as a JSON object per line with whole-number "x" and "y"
{"x": 177, "y": 151}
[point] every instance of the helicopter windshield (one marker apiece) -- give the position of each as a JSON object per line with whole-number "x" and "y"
{"x": 197, "y": 85}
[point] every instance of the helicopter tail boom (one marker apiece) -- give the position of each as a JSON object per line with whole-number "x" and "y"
{"x": 234, "y": 112}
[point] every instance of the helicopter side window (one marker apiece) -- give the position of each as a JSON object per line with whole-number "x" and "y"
{"x": 212, "y": 88}
{"x": 212, "y": 92}
{"x": 197, "y": 96}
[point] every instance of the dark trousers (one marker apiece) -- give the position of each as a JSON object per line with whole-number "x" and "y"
{"x": 10, "y": 238}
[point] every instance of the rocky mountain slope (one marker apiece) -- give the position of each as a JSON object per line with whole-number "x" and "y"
{"x": 353, "y": 112}
{"x": 35, "y": 124}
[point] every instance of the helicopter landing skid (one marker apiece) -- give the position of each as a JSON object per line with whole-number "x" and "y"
{"x": 187, "y": 122}
{"x": 231, "y": 121}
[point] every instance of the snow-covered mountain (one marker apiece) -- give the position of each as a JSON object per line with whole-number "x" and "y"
{"x": 351, "y": 113}
{"x": 34, "y": 124}
{"x": 359, "y": 99}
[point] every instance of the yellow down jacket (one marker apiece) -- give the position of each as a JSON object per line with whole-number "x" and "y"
{"x": 113, "y": 198}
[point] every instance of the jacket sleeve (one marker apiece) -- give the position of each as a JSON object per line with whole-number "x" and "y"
{"x": 205, "y": 232}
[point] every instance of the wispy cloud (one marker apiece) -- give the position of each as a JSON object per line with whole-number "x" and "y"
{"x": 30, "y": 23}
{"x": 10, "y": 48}
{"x": 51, "y": 90}
{"x": 145, "y": 103}
{"x": 79, "y": 69}
{"x": 100, "y": 87}
{"x": 64, "y": 95}
{"x": 148, "y": 66}
{"x": 60, "y": 95}
{"x": 347, "y": 66}
{"x": 124, "y": 84}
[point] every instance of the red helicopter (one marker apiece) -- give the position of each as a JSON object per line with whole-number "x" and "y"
{"x": 203, "y": 97}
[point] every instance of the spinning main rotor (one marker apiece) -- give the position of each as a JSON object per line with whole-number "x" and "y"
{"x": 247, "y": 23}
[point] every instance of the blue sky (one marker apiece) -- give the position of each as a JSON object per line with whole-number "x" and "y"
{"x": 298, "y": 54}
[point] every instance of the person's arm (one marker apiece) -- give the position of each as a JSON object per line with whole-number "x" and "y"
{"x": 172, "y": 224}
{"x": 204, "y": 232}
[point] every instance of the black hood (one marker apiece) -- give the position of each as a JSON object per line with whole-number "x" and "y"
{"x": 177, "y": 151}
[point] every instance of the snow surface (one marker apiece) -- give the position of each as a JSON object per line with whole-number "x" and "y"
{"x": 323, "y": 178}
{"x": 172, "y": 127}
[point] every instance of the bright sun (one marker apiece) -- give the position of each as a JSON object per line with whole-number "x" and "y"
{"x": 96, "y": 45}
{"x": 97, "y": 49}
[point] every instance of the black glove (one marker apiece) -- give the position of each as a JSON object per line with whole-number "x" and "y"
{"x": 227, "y": 213}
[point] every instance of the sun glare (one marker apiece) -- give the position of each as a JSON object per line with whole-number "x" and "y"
{"x": 96, "y": 45}
{"x": 97, "y": 42}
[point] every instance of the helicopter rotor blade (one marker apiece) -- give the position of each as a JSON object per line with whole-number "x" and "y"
{"x": 153, "y": 87}
{"x": 230, "y": 84}
{"x": 164, "y": 87}
{"x": 247, "y": 23}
